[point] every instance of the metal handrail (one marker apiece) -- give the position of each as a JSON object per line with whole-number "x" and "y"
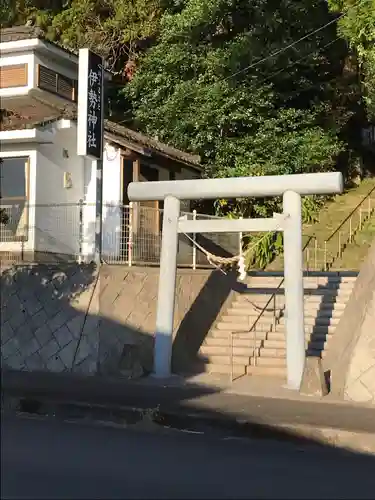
{"x": 252, "y": 329}
{"x": 323, "y": 245}
{"x": 264, "y": 309}
{"x": 350, "y": 215}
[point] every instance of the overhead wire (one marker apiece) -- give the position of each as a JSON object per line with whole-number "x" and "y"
{"x": 284, "y": 49}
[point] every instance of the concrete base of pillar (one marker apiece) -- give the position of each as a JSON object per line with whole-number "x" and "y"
{"x": 313, "y": 381}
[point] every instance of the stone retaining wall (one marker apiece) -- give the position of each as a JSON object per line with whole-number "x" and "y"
{"x": 351, "y": 357}
{"x": 72, "y": 318}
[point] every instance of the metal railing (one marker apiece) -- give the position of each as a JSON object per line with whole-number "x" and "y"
{"x": 317, "y": 257}
{"x": 39, "y": 232}
{"x": 131, "y": 235}
{"x": 320, "y": 255}
{"x": 274, "y": 321}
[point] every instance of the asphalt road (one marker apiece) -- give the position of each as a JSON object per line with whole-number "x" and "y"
{"x": 50, "y": 459}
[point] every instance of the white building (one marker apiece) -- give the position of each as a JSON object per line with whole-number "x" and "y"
{"x": 48, "y": 191}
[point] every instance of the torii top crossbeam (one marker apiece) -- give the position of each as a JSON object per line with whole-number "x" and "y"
{"x": 238, "y": 187}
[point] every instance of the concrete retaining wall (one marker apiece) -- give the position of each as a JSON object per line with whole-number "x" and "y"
{"x": 351, "y": 357}
{"x": 71, "y": 318}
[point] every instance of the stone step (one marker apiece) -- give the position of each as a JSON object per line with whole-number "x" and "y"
{"x": 249, "y": 308}
{"x": 316, "y": 321}
{"x": 322, "y": 309}
{"x": 263, "y": 288}
{"x": 309, "y": 329}
{"x": 307, "y": 279}
{"x": 271, "y": 352}
{"x": 221, "y": 364}
{"x": 279, "y": 332}
{"x": 226, "y": 342}
{"x": 262, "y": 300}
{"x": 224, "y": 359}
{"x": 268, "y": 361}
{"x": 226, "y": 334}
{"x": 249, "y": 313}
{"x": 248, "y": 352}
{"x": 246, "y": 318}
{"x": 214, "y": 350}
{"x": 314, "y": 336}
{"x": 316, "y": 344}
{"x": 237, "y": 370}
{"x": 243, "y": 324}
{"x": 267, "y": 371}
{"x": 266, "y": 352}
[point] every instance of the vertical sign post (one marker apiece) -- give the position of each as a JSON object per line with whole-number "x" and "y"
{"x": 91, "y": 127}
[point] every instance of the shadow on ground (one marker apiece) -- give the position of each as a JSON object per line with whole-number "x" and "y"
{"x": 146, "y": 456}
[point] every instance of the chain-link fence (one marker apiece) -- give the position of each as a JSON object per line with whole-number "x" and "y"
{"x": 131, "y": 235}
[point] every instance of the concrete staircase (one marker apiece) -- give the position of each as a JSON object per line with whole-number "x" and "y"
{"x": 249, "y": 336}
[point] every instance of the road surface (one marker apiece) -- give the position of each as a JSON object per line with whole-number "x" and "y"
{"x": 52, "y": 459}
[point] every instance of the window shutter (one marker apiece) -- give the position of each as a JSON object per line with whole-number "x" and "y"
{"x": 13, "y": 76}
{"x": 54, "y": 82}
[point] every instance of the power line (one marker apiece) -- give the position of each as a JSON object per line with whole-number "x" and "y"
{"x": 293, "y": 44}
{"x": 293, "y": 63}
{"x": 284, "y": 49}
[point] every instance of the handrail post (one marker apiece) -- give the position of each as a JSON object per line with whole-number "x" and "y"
{"x": 240, "y": 236}
{"x": 130, "y": 236}
{"x": 307, "y": 260}
{"x": 316, "y": 254}
{"x": 255, "y": 342}
{"x": 80, "y": 232}
{"x": 194, "y": 246}
{"x": 231, "y": 355}
{"x": 274, "y": 312}
{"x": 325, "y": 255}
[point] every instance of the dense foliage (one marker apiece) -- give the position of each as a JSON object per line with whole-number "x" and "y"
{"x": 116, "y": 29}
{"x": 219, "y": 81}
{"x": 358, "y": 27}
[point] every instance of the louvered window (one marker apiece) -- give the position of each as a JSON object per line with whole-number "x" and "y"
{"x": 13, "y": 76}
{"x": 55, "y": 82}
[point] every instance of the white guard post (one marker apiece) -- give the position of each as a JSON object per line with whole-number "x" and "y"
{"x": 291, "y": 187}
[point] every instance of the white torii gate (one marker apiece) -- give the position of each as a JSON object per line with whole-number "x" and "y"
{"x": 291, "y": 187}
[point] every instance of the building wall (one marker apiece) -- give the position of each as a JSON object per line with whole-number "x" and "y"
{"x": 57, "y": 211}
{"x": 26, "y": 57}
{"x": 111, "y": 201}
{"x": 89, "y": 209}
{"x": 111, "y": 204}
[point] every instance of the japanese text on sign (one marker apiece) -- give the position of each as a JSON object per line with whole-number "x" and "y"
{"x": 94, "y": 105}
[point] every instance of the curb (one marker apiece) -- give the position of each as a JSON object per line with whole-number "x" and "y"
{"x": 183, "y": 420}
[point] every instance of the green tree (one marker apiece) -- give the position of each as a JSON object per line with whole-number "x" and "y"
{"x": 357, "y": 26}
{"x": 117, "y": 29}
{"x": 18, "y": 12}
{"x": 219, "y": 82}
